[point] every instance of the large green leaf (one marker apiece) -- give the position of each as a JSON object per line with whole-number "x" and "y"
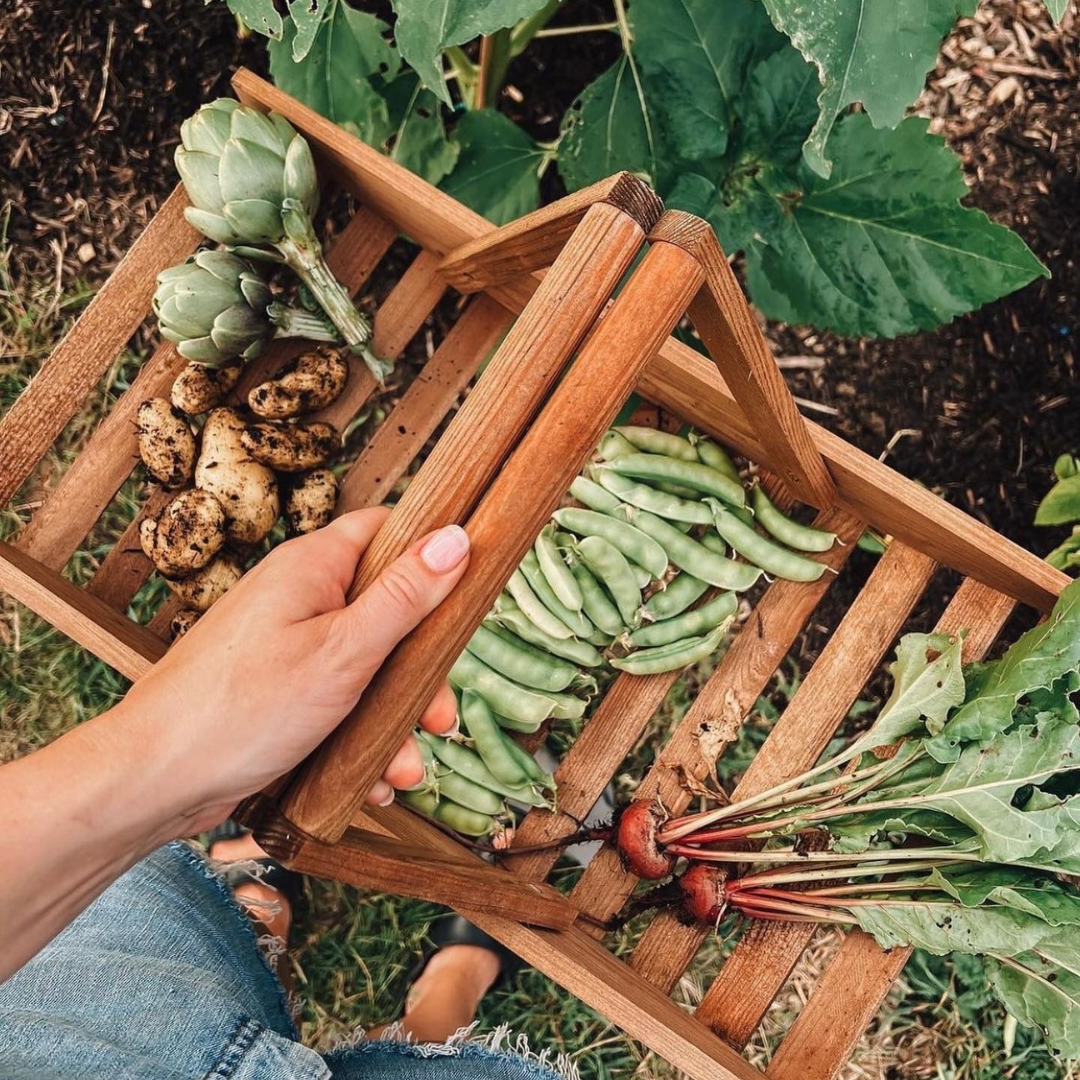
{"x": 307, "y": 18}
{"x": 416, "y": 136}
{"x": 870, "y": 51}
{"x": 884, "y": 246}
{"x": 425, "y": 28}
{"x": 498, "y": 167}
{"x": 1041, "y": 995}
{"x": 1061, "y": 504}
{"x": 258, "y": 15}
{"x": 347, "y": 56}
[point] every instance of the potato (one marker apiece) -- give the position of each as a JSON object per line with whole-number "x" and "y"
{"x": 247, "y": 491}
{"x": 199, "y": 388}
{"x": 205, "y": 587}
{"x": 183, "y": 621}
{"x": 166, "y": 442}
{"x": 290, "y": 448}
{"x": 186, "y": 535}
{"x": 310, "y": 503}
{"x": 310, "y": 383}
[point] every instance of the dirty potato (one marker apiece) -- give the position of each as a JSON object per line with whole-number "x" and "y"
{"x": 290, "y": 448}
{"x": 310, "y": 503}
{"x": 183, "y": 621}
{"x": 310, "y": 383}
{"x": 247, "y": 491}
{"x": 199, "y": 388}
{"x": 166, "y": 442}
{"x": 205, "y": 587}
{"x": 186, "y": 535}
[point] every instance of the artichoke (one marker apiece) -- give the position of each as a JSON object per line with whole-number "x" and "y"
{"x": 251, "y": 180}
{"x": 216, "y": 306}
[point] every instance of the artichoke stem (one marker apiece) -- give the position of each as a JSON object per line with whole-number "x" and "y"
{"x": 307, "y": 262}
{"x": 297, "y": 323}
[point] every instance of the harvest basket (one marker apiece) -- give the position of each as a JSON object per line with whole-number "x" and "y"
{"x": 572, "y": 356}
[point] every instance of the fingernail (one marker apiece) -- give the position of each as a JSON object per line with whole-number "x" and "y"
{"x": 388, "y": 800}
{"x": 445, "y": 549}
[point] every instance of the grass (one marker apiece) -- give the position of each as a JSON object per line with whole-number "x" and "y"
{"x": 354, "y": 951}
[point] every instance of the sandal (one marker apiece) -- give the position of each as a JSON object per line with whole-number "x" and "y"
{"x": 270, "y": 872}
{"x": 457, "y": 930}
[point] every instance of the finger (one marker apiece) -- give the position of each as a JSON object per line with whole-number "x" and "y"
{"x": 409, "y": 589}
{"x": 353, "y": 532}
{"x": 440, "y": 717}
{"x": 406, "y": 770}
{"x": 382, "y": 794}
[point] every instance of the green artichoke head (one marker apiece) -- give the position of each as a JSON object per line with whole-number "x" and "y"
{"x": 213, "y": 308}
{"x": 249, "y": 175}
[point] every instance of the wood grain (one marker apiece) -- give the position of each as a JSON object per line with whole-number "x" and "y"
{"x": 55, "y": 393}
{"x": 854, "y": 985}
{"x": 515, "y": 507}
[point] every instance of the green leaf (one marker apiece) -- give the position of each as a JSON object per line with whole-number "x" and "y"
{"x": 307, "y": 17}
{"x": 416, "y": 136}
{"x": 1057, "y": 9}
{"x": 780, "y": 106}
{"x": 1039, "y": 895}
{"x": 498, "y": 167}
{"x": 1042, "y": 656}
{"x": 883, "y": 247}
{"x": 1041, "y": 995}
{"x": 1066, "y": 556}
{"x": 1061, "y": 504}
{"x": 425, "y": 28}
{"x": 866, "y": 51}
{"x": 348, "y": 51}
{"x": 258, "y": 15}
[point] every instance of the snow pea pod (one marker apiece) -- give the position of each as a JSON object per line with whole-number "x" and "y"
{"x": 524, "y": 664}
{"x": 691, "y": 623}
{"x": 511, "y": 623}
{"x": 791, "y": 533}
{"x": 610, "y": 567}
{"x": 533, "y": 608}
{"x": 574, "y": 621}
{"x": 423, "y": 800}
{"x": 682, "y": 590}
{"x": 504, "y": 696}
{"x": 568, "y": 706}
{"x": 716, "y": 457}
{"x": 489, "y": 741}
{"x": 693, "y": 474}
{"x": 468, "y": 763}
{"x": 510, "y": 724}
{"x": 527, "y": 763}
{"x": 713, "y": 542}
{"x": 614, "y": 445}
{"x": 678, "y": 654}
{"x": 653, "y": 441}
{"x": 556, "y": 572}
{"x": 687, "y": 554}
{"x": 669, "y": 507}
{"x": 598, "y": 607}
{"x": 465, "y": 793}
{"x": 635, "y": 545}
{"x": 763, "y": 553}
{"x": 461, "y": 819}
{"x": 589, "y": 493}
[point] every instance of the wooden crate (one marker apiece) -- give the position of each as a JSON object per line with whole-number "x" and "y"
{"x": 570, "y": 359}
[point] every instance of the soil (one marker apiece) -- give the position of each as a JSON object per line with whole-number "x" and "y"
{"x": 90, "y": 106}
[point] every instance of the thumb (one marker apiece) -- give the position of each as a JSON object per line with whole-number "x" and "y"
{"x": 408, "y": 590}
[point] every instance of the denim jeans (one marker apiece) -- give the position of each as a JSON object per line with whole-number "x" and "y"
{"x": 161, "y": 978}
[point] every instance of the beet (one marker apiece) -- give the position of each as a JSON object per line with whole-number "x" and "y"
{"x": 703, "y": 892}
{"x": 638, "y": 826}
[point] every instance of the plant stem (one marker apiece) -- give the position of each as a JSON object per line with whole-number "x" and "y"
{"x": 789, "y": 857}
{"x": 295, "y": 322}
{"x": 463, "y": 68}
{"x": 585, "y": 28}
{"x": 768, "y": 878}
{"x": 528, "y": 28}
{"x": 765, "y": 903}
{"x": 494, "y": 60}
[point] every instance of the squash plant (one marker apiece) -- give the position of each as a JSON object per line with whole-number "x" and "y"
{"x": 782, "y": 122}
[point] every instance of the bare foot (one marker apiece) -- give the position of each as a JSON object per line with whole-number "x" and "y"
{"x": 267, "y": 906}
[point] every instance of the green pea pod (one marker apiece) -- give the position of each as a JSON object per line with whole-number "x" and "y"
{"x": 614, "y": 445}
{"x": 463, "y": 820}
{"x": 687, "y": 554}
{"x": 533, "y": 608}
{"x": 509, "y": 621}
{"x": 603, "y": 613}
{"x": 574, "y": 621}
{"x": 716, "y": 457}
{"x": 600, "y": 639}
{"x": 669, "y": 507}
{"x": 527, "y": 763}
{"x": 555, "y": 571}
{"x": 489, "y": 741}
{"x": 721, "y": 609}
{"x": 510, "y": 724}
{"x": 713, "y": 541}
{"x": 523, "y": 663}
{"x": 681, "y": 591}
{"x": 692, "y": 474}
{"x": 610, "y": 567}
{"x": 763, "y": 553}
{"x": 652, "y": 441}
{"x": 601, "y": 500}
{"x": 468, "y": 763}
{"x": 568, "y": 706}
{"x": 465, "y": 793}
{"x": 589, "y": 493}
{"x": 505, "y": 696}
{"x": 424, "y": 800}
{"x": 673, "y": 657}
{"x": 631, "y": 542}
{"x": 791, "y": 533}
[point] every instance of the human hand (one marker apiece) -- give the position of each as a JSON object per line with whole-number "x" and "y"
{"x": 281, "y": 659}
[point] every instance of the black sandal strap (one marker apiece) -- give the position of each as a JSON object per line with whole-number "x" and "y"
{"x": 457, "y": 930}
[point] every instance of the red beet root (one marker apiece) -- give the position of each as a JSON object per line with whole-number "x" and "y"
{"x": 637, "y": 842}
{"x": 703, "y": 892}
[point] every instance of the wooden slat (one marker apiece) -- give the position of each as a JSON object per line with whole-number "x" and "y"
{"x": 532, "y": 242}
{"x": 430, "y": 396}
{"x": 729, "y": 330}
{"x": 55, "y": 393}
{"x": 718, "y": 711}
{"x": 110, "y": 456}
{"x": 85, "y": 619}
{"x": 855, "y": 983}
{"x": 735, "y": 1003}
{"x": 519, "y": 500}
